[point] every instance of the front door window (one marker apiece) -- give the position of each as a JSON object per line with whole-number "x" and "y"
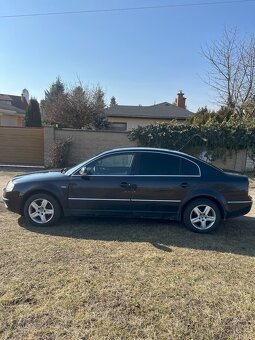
{"x": 112, "y": 165}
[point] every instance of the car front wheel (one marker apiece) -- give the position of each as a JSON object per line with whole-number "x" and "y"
{"x": 202, "y": 216}
{"x": 42, "y": 210}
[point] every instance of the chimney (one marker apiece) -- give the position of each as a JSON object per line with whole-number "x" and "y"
{"x": 25, "y": 94}
{"x": 180, "y": 100}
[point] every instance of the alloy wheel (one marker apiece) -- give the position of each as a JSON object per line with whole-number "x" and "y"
{"x": 41, "y": 211}
{"x": 202, "y": 217}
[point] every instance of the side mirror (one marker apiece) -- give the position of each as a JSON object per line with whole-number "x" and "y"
{"x": 85, "y": 171}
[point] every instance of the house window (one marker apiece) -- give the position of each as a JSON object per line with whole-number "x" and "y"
{"x": 8, "y": 120}
{"x": 118, "y": 126}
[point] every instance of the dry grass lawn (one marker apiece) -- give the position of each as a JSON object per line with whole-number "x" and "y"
{"x": 126, "y": 279}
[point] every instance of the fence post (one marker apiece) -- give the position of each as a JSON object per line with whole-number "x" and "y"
{"x": 49, "y": 139}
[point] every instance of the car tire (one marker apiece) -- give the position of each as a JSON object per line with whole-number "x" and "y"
{"x": 202, "y": 216}
{"x": 42, "y": 210}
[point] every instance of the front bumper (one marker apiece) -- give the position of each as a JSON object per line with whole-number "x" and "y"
{"x": 12, "y": 201}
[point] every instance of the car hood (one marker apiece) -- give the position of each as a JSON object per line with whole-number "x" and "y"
{"x": 39, "y": 176}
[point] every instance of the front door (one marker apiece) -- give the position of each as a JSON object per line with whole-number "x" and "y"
{"x": 105, "y": 189}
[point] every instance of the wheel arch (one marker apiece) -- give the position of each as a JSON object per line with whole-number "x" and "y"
{"x": 39, "y": 191}
{"x": 211, "y": 198}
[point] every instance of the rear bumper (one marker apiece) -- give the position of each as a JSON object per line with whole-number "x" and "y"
{"x": 238, "y": 208}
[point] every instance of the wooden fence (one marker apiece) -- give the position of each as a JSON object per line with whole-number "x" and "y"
{"x": 21, "y": 146}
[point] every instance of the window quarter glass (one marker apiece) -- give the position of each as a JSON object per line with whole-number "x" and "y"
{"x": 189, "y": 168}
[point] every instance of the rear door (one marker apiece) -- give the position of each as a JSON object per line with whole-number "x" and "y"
{"x": 160, "y": 182}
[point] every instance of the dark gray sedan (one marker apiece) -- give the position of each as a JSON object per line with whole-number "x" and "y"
{"x": 133, "y": 182}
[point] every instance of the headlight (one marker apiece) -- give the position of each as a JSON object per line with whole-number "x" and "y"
{"x": 9, "y": 186}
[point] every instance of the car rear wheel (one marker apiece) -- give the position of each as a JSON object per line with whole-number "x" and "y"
{"x": 42, "y": 210}
{"x": 202, "y": 216}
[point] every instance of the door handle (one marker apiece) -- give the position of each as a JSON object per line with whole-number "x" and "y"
{"x": 128, "y": 186}
{"x": 184, "y": 185}
{"x": 125, "y": 185}
{"x": 133, "y": 187}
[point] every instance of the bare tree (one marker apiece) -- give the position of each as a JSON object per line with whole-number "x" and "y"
{"x": 232, "y": 69}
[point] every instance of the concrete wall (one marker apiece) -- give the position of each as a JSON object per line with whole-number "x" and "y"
{"x": 233, "y": 161}
{"x": 250, "y": 164}
{"x": 84, "y": 144}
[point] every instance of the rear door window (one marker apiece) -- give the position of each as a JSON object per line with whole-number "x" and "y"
{"x": 158, "y": 164}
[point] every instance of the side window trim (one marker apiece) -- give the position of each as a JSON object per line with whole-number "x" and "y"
{"x": 134, "y": 162}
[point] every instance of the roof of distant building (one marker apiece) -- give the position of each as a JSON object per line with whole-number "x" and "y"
{"x": 163, "y": 110}
{"x": 13, "y": 103}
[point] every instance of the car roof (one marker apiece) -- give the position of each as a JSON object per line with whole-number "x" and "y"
{"x": 137, "y": 148}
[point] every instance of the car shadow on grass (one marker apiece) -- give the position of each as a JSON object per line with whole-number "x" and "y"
{"x": 235, "y": 236}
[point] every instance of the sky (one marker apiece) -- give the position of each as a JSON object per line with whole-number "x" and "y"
{"x": 140, "y": 57}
